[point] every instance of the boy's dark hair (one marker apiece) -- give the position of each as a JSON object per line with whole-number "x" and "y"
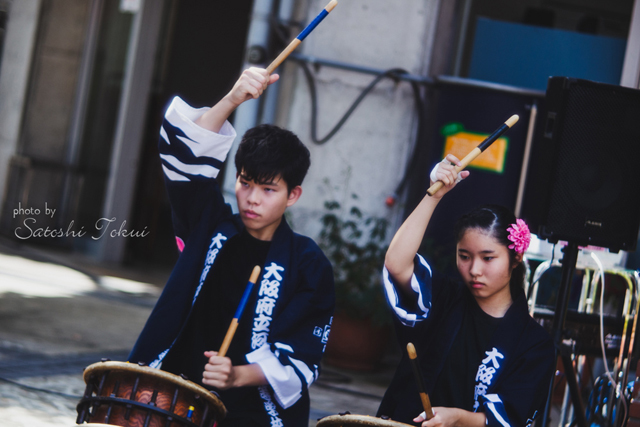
{"x": 267, "y": 151}
{"x": 494, "y": 220}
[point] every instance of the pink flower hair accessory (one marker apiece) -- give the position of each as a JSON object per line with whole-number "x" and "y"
{"x": 520, "y": 235}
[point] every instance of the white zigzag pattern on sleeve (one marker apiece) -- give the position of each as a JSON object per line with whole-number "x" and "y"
{"x": 174, "y": 176}
{"x": 204, "y": 170}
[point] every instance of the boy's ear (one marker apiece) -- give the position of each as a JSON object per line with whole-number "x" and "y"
{"x": 294, "y": 195}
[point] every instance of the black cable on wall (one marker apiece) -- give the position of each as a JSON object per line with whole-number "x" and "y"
{"x": 394, "y": 74}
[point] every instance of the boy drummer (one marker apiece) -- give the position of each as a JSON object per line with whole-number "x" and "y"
{"x": 276, "y": 351}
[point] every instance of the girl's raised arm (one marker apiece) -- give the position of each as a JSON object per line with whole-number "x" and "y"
{"x": 406, "y": 241}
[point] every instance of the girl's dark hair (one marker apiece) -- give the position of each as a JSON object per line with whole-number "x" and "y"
{"x": 494, "y": 220}
{"x": 267, "y": 151}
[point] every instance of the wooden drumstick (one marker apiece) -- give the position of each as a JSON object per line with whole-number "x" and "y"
{"x": 304, "y": 33}
{"x": 413, "y": 357}
{"x": 236, "y": 317}
{"x": 477, "y": 151}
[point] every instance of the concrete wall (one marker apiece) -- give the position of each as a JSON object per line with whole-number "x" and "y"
{"x": 55, "y": 73}
{"x": 368, "y": 155}
{"x": 43, "y": 54}
{"x": 20, "y": 38}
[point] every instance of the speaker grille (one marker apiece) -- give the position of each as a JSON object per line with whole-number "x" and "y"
{"x": 595, "y": 196}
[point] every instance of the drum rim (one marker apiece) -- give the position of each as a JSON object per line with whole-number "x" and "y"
{"x": 100, "y": 367}
{"x": 95, "y": 425}
{"x": 365, "y": 420}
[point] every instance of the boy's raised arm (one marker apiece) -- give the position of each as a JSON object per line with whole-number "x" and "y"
{"x": 252, "y": 82}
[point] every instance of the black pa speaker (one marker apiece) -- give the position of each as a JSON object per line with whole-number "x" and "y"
{"x": 583, "y": 181}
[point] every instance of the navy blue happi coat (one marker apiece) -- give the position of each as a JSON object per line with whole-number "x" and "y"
{"x": 291, "y": 313}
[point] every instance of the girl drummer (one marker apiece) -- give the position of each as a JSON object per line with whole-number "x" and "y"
{"x": 485, "y": 361}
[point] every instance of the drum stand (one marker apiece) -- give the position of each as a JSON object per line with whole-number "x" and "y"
{"x": 569, "y": 261}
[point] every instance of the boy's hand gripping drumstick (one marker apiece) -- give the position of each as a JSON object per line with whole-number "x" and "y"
{"x": 304, "y": 33}
{"x": 426, "y": 404}
{"x": 236, "y": 317}
{"x": 477, "y": 151}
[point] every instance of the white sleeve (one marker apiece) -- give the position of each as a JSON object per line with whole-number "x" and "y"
{"x": 207, "y": 149}
{"x": 283, "y": 379}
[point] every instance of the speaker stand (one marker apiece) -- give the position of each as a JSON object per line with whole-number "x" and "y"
{"x": 563, "y": 351}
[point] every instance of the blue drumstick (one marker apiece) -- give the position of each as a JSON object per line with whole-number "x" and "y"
{"x": 304, "y": 33}
{"x": 236, "y": 317}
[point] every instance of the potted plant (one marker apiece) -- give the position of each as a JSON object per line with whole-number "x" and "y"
{"x": 356, "y": 246}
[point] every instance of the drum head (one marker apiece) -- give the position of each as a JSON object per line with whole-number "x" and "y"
{"x": 349, "y": 420}
{"x": 111, "y": 366}
{"x": 129, "y": 395}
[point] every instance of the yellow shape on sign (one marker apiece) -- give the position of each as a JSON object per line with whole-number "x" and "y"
{"x": 493, "y": 158}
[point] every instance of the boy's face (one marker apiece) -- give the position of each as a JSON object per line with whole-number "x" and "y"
{"x": 262, "y": 205}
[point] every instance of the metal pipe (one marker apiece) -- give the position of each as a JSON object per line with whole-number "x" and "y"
{"x": 358, "y": 68}
{"x": 631, "y": 66}
{"x": 462, "y": 37}
{"x": 271, "y": 97}
{"x": 525, "y": 160}
{"x": 422, "y": 80}
{"x": 81, "y": 100}
{"x": 247, "y": 115}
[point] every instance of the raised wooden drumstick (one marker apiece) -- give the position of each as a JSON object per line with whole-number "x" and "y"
{"x": 304, "y": 33}
{"x": 236, "y": 317}
{"x": 424, "y": 397}
{"x": 477, "y": 151}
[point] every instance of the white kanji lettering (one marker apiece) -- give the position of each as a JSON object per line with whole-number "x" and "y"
{"x": 204, "y": 273}
{"x": 480, "y": 390}
{"x": 492, "y": 356}
{"x": 217, "y": 241}
{"x": 325, "y": 335}
{"x": 269, "y": 288}
{"x": 271, "y": 409}
{"x": 273, "y": 270}
{"x": 485, "y": 374}
{"x": 263, "y": 394}
{"x": 211, "y": 256}
{"x": 261, "y": 323}
{"x": 258, "y": 339}
{"x": 265, "y": 306}
{"x": 532, "y": 419}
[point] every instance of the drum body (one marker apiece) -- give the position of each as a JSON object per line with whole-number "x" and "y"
{"x": 352, "y": 420}
{"x": 129, "y": 395}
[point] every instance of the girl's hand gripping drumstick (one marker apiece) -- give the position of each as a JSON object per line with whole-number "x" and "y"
{"x": 413, "y": 357}
{"x": 477, "y": 151}
{"x": 236, "y": 317}
{"x": 304, "y": 33}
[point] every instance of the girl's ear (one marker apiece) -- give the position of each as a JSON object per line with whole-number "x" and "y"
{"x": 518, "y": 259}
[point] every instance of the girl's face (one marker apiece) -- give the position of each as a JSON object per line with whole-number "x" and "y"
{"x": 485, "y": 267}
